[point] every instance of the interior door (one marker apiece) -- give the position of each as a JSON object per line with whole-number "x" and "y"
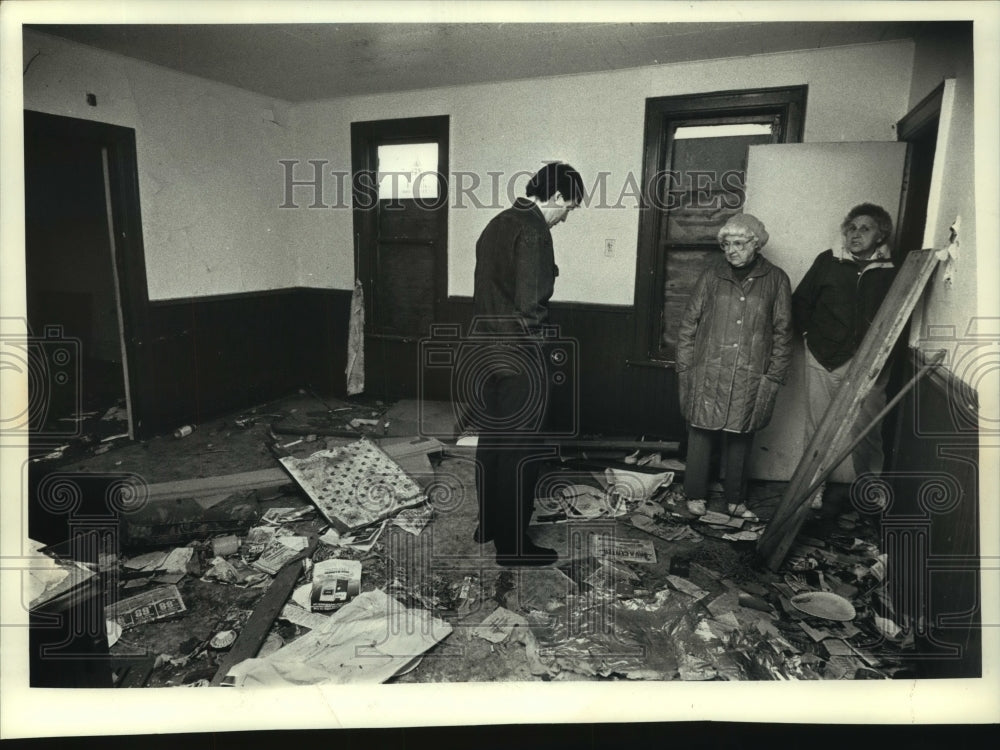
{"x": 401, "y": 222}
{"x": 802, "y": 192}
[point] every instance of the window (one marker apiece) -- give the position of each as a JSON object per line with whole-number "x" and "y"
{"x": 408, "y": 170}
{"x": 695, "y": 175}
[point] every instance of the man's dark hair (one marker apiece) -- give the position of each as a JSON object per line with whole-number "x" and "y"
{"x": 556, "y": 177}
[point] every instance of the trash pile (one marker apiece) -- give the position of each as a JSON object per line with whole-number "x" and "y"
{"x": 290, "y": 573}
{"x": 292, "y": 579}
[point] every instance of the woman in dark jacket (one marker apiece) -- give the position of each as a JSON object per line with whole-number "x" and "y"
{"x": 733, "y": 351}
{"x": 833, "y": 307}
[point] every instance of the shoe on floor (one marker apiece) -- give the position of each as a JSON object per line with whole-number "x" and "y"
{"x": 817, "y": 500}
{"x": 697, "y": 507}
{"x": 741, "y": 511}
{"x": 530, "y": 555}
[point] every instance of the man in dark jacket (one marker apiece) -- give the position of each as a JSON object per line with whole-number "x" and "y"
{"x": 832, "y": 308}
{"x": 514, "y": 279}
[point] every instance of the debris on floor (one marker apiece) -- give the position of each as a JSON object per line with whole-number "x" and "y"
{"x": 372, "y": 534}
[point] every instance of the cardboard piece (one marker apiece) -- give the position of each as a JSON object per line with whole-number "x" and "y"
{"x": 354, "y": 485}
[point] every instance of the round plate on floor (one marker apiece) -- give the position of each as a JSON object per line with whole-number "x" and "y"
{"x": 824, "y": 604}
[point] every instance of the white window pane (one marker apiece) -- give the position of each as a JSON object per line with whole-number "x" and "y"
{"x": 408, "y": 170}
{"x": 722, "y": 131}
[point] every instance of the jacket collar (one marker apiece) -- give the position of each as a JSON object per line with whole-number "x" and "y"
{"x": 725, "y": 271}
{"x": 529, "y": 206}
{"x": 881, "y": 258}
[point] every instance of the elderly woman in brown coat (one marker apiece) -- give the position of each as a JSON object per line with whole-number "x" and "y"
{"x": 733, "y": 351}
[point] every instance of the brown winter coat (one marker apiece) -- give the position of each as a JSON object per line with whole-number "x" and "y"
{"x": 734, "y": 346}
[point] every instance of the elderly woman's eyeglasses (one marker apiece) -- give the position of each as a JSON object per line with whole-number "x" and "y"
{"x": 735, "y": 243}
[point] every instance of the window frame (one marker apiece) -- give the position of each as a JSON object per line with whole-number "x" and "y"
{"x": 662, "y": 115}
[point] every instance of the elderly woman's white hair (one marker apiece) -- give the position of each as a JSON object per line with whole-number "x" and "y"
{"x": 746, "y": 225}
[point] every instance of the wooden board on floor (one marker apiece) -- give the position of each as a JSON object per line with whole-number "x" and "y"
{"x": 834, "y": 428}
{"x": 255, "y": 631}
{"x": 219, "y": 485}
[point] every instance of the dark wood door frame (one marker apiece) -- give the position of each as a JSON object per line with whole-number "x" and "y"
{"x": 129, "y": 253}
{"x": 365, "y": 137}
{"x": 788, "y": 103}
{"x": 917, "y": 128}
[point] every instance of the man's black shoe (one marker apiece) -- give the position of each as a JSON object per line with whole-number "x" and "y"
{"x": 530, "y": 555}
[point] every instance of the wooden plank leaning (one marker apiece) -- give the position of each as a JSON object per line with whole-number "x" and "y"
{"x": 834, "y": 428}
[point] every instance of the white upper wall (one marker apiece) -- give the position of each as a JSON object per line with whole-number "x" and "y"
{"x": 207, "y": 159}
{"x": 211, "y": 183}
{"x": 595, "y": 122}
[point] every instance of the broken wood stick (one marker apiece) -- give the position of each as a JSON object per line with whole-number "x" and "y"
{"x": 835, "y": 426}
{"x": 877, "y": 420}
{"x": 253, "y": 634}
{"x": 218, "y": 485}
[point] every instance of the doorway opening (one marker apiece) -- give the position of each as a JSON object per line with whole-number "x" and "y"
{"x": 85, "y": 280}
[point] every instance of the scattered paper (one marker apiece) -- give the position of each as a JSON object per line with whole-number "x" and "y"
{"x": 576, "y": 502}
{"x": 498, "y": 625}
{"x": 157, "y": 604}
{"x": 256, "y": 541}
{"x": 468, "y": 594}
{"x": 279, "y": 551}
{"x": 635, "y": 486}
{"x": 887, "y": 627}
{"x": 817, "y": 634}
{"x": 331, "y": 537}
{"x": 334, "y": 583}
{"x": 625, "y": 550}
{"x": 667, "y": 532}
{"x": 48, "y": 578}
{"x": 364, "y": 539}
{"x": 233, "y": 571}
{"x": 742, "y": 536}
{"x": 279, "y": 516}
{"x": 369, "y": 640}
{"x": 724, "y": 603}
{"x": 685, "y": 586}
{"x": 303, "y": 617}
{"x": 414, "y": 520}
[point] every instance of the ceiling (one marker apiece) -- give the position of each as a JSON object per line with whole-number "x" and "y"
{"x": 303, "y": 62}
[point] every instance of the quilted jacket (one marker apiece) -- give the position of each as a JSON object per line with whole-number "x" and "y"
{"x": 734, "y": 347}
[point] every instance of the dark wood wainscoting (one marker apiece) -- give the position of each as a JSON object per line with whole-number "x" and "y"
{"x": 206, "y": 356}
{"x": 931, "y": 529}
{"x": 612, "y": 396}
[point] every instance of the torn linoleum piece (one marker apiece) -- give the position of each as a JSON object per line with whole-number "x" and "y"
{"x": 354, "y": 485}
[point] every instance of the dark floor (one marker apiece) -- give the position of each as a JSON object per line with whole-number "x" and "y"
{"x": 704, "y": 609}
